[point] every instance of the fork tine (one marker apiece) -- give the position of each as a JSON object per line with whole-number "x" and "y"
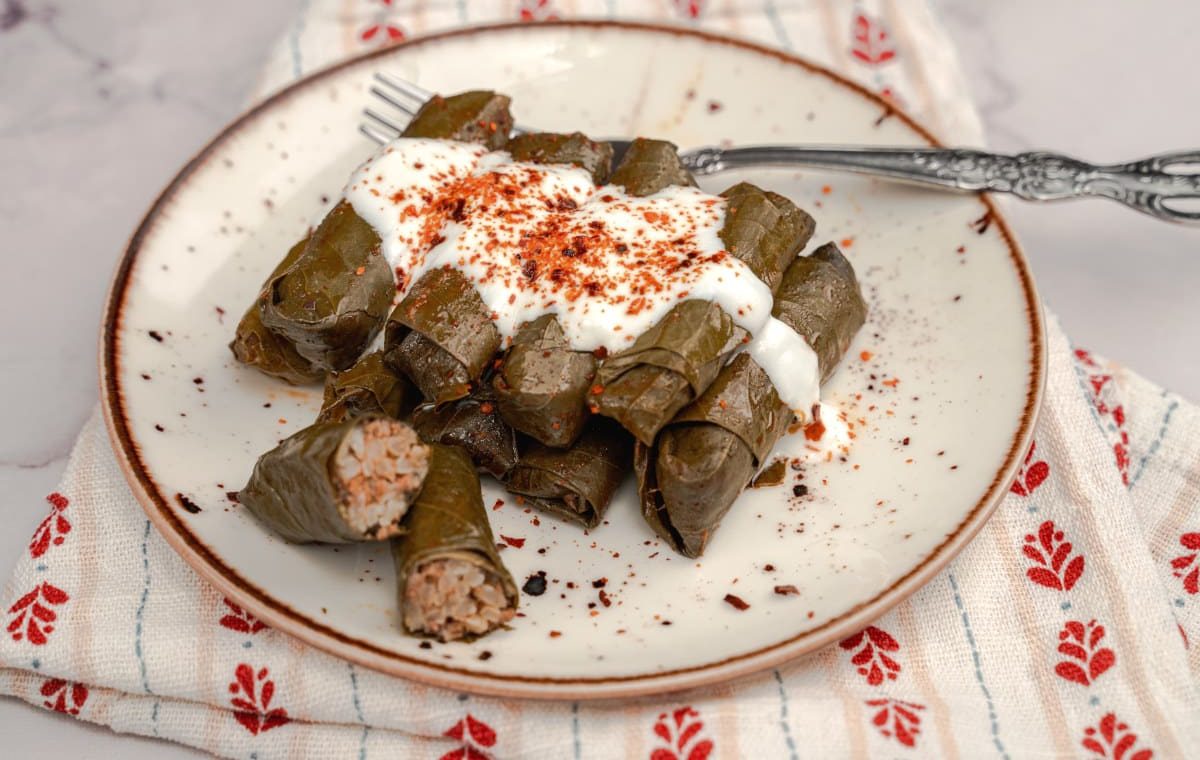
{"x": 405, "y": 108}
{"x": 383, "y": 121}
{"x": 375, "y": 133}
{"x": 404, "y": 87}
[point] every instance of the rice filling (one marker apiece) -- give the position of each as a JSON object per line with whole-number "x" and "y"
{"x": 379, "y": 469}
{"x": 451, "y": 598}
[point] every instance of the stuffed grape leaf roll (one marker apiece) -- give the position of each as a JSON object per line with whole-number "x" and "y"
{"x": 370, "y": 386}
{"x": 255, "y": 345}
{"x": 339, "y": 482}
{"x": 333, "y": 299}
{"x": 474, "y": 424}
{"x": 542, "y": 384}
{"x": 689, "y": 478}
{"x": 452, "y": 584}
{"x": 673, "y": 362}
{"x": 575, "y": 483}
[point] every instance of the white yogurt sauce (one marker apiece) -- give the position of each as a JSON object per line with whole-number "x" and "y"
{"x": 537, "y": 239}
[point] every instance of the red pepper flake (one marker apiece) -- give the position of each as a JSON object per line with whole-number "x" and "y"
{"x": 814, "y": 431}
{"x": 600, "y": 583}
{"x": 555, "y": 634}
{"x": 232, "y": 496}
{"x": 787, "y": 590}
{"x": 866, "y": 356}
{"x": 515, "y": 543}
{"x": 826, "y": 190}
{"x": 714, "y": 106}
{"x": 597, "y": 389}
{"x": 892, "y": 383}
{"x": 721, "y": 403}
{"x": 155, "y": 334}
{"x": 604, "y": 598}
{"x": 282, "y": 420}
{"x": 360, "y": 270}
{"x": 486, "y": 407}
{"x": 600, "y": 353}
{"x": 769, "y": 568}
{"x": 530, "y": 269}
{"x": 499, "y": 503}
{"x": 736, "y": 602}
{"x": 847, "y": 242}
{"x": 961, "y": 249}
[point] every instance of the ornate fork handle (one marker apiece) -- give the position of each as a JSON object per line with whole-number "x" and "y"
{"x": 1143, "y": 185}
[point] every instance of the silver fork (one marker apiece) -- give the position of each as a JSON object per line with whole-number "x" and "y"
{"x": 1161, "y": 186}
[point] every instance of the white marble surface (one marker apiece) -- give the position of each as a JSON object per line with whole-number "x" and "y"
{"x": 100, "y": 103}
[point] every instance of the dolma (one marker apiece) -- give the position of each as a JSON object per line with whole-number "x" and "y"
{"x": 474, "y": 424}
{"x": 332, "y": 301}
{"x": 574, "y": 148}
{"x": 542, "y": 385}
{"x": 441, "y": 335}
{"x": 649, "y": 166}
{"x": 339, "y": 482}
{"x": 255, "y": 345}
{"x": 673, "y": 362}
{"x": 370, "y": 386}
{"x": 452, "y": 584}
{"x": 577, "y": 483}
{"x": 701, "y": 461}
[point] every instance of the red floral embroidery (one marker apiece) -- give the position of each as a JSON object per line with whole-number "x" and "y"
{"x": 689, "y": 8}
{"x": 680, "y": 731}
{"x": 871, "y": 44}
{"x": 385, "y": 33}
{"x": 875, "y": 642}
{"x": 1057, "y": 568}
{"x": 1112, "y": 739}
{"x": 1181, "y": 564}
{"x": 1031, "y": 475}
{"x": 537, "y": 10}
{"x": 1103, "y": 392}
{"x": 54, "y": 529}
{"x": 241, "y": 621}
{"x": 1082, "y": 643}
{"x": 381, "y": 29}
{"x": 897, "y": 718}
{"x": 33, "y": 620}
{"x": 473, "y": 734}
{"x": 252, "y": 693}
{"x": 63, "y": 696}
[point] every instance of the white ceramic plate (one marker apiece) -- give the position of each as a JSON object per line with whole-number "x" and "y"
{"x": 943, "y": 406}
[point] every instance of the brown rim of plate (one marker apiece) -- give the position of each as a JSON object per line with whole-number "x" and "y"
{"x": 257, "y": 601}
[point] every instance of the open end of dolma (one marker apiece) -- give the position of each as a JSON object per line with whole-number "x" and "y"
{"x": 379, "y": 468}
{"x": 452, "y": 597}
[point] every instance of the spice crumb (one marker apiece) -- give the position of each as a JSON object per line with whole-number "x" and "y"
{"x": 187, "y": 504}
{"x": 736, "y": 602}
{"x": 787, "y": 590}
{"x": 535, "y": 585}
